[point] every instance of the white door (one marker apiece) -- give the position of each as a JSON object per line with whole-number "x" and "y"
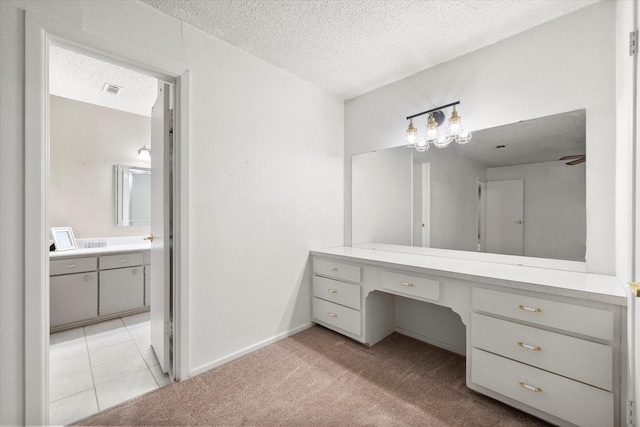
{"x": 505, "y": 217}
{"x": 161, "y": 227}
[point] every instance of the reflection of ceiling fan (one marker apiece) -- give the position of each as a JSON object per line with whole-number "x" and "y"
{"x": 575, "y": 159}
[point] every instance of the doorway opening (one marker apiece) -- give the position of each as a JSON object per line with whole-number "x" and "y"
{"x": 40, "y": 34}
{"x": 100, "y": 142}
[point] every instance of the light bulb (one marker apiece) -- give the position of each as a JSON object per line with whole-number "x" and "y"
{"x": 412, "y": 134}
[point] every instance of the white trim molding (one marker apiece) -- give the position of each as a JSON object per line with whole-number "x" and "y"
{"x": 39, "y": 33}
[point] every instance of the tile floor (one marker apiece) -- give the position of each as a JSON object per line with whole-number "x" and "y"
{"x": 97, "y": 366}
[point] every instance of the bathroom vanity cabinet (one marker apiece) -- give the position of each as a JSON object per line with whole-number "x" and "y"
{"x": 97, "y": 286}
{"x": 543, "y": 340}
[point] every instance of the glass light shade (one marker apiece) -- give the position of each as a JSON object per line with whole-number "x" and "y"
{"x": 432, "y": 129}
{"x": 442, "y": 141}
{"x": 144, "y": 153}
{"x": 422, "y": 145}
{"x": 412, "y": 135}
{"x": 455, "y": 124}
{"x": 464, "y": 137}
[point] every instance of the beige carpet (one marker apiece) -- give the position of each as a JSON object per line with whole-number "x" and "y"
{"x": 320, "y": 378}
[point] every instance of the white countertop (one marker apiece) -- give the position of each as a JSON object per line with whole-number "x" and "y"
{"x": 113, "y": 245}
{"x": 588, "y": 286}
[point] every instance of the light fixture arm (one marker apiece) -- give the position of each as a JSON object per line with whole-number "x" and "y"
{"x": 433, "y": 109}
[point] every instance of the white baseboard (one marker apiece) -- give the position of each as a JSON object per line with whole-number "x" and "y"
{"x": 432, "y": 341}
{"x": 247, "y": 350}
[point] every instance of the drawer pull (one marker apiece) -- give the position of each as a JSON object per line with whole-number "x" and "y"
{"x": 407, "y": 284}
{"x": 70, "y": 266}
{"x": 332, "y": 291}
{"x": 87, "y": 277}
{"x": 535, "y": 310}
{"x": 333, "y": 268}
{"x": 529, "y": 387}
{"x": 530, "y": 347}
{"x": 332, "y": 314}
{"x": 122, "y": 260}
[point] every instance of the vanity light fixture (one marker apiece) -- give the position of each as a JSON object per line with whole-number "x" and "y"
{"x": 144, "y": 153}
{"x": 456, "y": 130}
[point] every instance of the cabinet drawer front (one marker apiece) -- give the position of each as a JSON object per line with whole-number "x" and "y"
{"x": 336, "y": 270}
{"x": 582, "y": 360}
{"x": 119, "y": 261}
{"x": 569, "y": 400}
{"x": 336, "y": 315}
{"x": 338, "y": 292}
{"x": 410, "y": 285}
{"x": 72, "y": 265}
{"x": 569, "y": 317}
{"x": 121, "y": 289}
{"x": 73, "y": 297}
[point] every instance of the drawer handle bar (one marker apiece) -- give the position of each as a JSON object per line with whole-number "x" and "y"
{"x": 535, "y": 310}
{"x": 70, "y": 266}
{"x": 529, "y": 387}
{"x": 530, "y": 347}
{"x": 333, "y": 291}
{"x": 332, "y": 314}
{"x": 407, "y": 284}
{"x": 333, "y": 268}
{"x": 122, "y": 260}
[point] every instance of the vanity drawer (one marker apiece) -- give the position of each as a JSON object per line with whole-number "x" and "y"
{"x": 569, "y": 400}
{"x": 336, "y": 315}
{"x": 410, "y": 285}
{"x": 72, "y": 265}
{"x": 119, "y": 261}
{"x": 582, "y": 360}
{"x": 336, "y": 270}
{"x": 338, "y": 292}
{"x": 569, "y": 317}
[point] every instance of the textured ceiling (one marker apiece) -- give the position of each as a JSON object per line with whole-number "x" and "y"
{"x": 82, "y": 78}
{"x": 540, "y": 140}
{"x": 350, "y": 47}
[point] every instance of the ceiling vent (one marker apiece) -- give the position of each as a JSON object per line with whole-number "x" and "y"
{"x": 111, "y": 88}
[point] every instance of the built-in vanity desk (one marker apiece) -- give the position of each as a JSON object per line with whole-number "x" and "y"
{"x": 544, "y": 340}
{"x": 88, "y": 285}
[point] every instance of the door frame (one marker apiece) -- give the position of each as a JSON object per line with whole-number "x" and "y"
{"x": 39, "y": 32}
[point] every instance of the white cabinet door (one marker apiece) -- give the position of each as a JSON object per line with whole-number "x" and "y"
{"x": 73, "y": 297}
{"x": 121, "y": 289}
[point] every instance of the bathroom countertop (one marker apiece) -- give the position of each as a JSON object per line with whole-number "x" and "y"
{"x": 109, "y": 249}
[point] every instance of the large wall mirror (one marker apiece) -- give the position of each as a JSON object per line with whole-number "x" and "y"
{"x": 132, "y": 195}
{"x": 517, "y": 189}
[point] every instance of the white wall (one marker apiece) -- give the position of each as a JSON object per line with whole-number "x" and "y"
{"x": 266, "y": 183}
{"x": 86, "y": 141}
{"x": 554, "y": 206}
{"x": 560, "y": 66}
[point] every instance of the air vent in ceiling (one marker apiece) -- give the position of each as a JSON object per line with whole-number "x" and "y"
{"x": 111, "y": 88}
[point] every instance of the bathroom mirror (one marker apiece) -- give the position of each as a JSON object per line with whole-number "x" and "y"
{"x": 506, "y": 192}
{"x": 132, "y": 195}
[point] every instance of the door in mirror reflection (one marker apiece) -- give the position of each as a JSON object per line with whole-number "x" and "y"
{"x": 505, "y": 209}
